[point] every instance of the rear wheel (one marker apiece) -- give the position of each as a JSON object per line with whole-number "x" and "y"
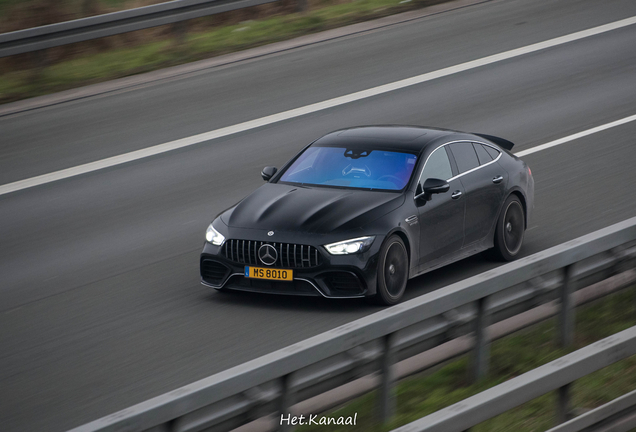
{"x": 393, "y": 271}
{"x": 510, "y": 230}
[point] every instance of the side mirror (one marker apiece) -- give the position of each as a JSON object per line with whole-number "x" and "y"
{"x": 268, "y": 172}
{"x": 431, "y": 186}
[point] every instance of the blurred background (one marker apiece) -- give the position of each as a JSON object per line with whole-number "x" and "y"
{"x": 72, "y": 65}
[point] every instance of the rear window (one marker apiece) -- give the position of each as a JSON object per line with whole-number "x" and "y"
{"x": 361, "y": 168}
{"x": 492, "y": 152}
{"x": 482, "y": 154}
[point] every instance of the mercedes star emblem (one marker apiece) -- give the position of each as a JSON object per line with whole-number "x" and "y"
{"x": 267, "y": 254}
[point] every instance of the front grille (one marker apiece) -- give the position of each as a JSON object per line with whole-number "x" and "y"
{"x": 289, "y": 255}
{"x": 213, "y": 272}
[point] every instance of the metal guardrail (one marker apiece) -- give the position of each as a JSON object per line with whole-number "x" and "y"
{"x": 444, "y": 352}
{"x": 274, "y": 382}
{"x": 558, "y": 374}
{"x": 49, "y": 36}
{"x": 618, "y": 415}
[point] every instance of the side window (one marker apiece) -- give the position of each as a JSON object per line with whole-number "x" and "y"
{"x": 465, "y": 156}
{"x": 482, "y": 154}
{"x": 492, "y": 152}
{"x": 437, "y": 166}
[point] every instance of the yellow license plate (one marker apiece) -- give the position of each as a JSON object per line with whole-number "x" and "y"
{"x": 269, "y": 273}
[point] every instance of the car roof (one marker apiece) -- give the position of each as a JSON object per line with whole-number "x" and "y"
{"x": 407, "y": 138}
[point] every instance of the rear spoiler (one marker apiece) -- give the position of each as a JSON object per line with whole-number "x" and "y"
{"x": 503, "y": 143}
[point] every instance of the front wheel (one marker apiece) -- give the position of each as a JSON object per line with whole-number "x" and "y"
{"x": 393, "y": 271}
{"x": 510, "y": 230}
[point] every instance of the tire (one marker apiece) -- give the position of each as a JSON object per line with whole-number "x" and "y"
{"x": 510, "y": 230}
{"x": 393, "y": 272}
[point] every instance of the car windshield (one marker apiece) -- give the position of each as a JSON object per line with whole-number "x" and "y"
{"x": 352, "y": 167}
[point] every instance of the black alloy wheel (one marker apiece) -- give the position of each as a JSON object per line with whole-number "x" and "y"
{"x": 510, "y": 230}
{"x": 393, "y": 271}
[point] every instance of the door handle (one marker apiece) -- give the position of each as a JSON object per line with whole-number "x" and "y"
{"x": 456, "y": 194}
{"x": 497, "y": 179}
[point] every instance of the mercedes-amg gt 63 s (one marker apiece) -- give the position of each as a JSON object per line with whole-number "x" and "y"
{"x": 360, "y": 211}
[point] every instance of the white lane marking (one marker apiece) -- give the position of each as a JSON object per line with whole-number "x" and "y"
{"x": 308, "y": 109}
{"x": 576, "y": 136}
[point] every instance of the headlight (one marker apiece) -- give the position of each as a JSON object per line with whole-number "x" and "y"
{"x": 352, "y": 246}
{"x": 213, "y": 236}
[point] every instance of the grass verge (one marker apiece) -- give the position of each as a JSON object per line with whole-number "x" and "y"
{"x": 159, "y": 52}
{"x": 513, "y": 355}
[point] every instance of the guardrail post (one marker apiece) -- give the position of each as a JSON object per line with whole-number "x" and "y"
{"x": 563, "y": 404}
{"x": 566, "y": 314}
{"x": 179, "y": 29}
{"x": 386, "y": 395}
{"x": 302, "y": 6}
{"x": 40, "y": 59}
{"x": 481, "y": 351}
{"x": 285, "y": 401}
{"x": 89, "y": 7}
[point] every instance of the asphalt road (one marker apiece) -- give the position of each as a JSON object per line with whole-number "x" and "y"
{"x": 100, "y": 301}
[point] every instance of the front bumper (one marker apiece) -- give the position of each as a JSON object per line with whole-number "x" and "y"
{"x": 341, "y": 276}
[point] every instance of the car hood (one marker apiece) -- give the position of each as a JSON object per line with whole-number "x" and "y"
{"x": 282, "y": 207}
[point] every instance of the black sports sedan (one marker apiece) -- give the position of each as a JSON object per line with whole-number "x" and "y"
{"x": 360, "y": 211}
